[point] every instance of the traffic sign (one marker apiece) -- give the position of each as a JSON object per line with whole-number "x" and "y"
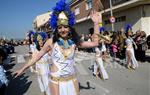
{"x": 112, "y": 19}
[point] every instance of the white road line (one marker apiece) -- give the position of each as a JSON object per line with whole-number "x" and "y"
{"x": 20, "y": 59}
{"x": 13, "y": 56}
{"x": 26, "y": 55}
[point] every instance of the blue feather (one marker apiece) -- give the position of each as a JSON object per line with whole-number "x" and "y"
{"x": 102, "y": 29}
{"x": 31, "y": 33}
{"x": 128, "y": 27}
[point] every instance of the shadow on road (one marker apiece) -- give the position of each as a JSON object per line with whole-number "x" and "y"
{"x": 85, "y": 87}
{"x": 147, "y": 59}
{"x": 17, "y": 86}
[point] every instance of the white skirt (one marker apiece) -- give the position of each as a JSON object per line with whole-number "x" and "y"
{"x": 43, "y": 77}
{"x": 66, "y": 87}
{"x": 102, "y": 68}
{"x": 133, "y": 59}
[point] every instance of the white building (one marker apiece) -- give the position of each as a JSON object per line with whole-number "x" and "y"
{"x": 133, "y": 12}
{"x": 40, "y": 22}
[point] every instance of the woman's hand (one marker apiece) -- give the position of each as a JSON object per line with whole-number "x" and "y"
{"x": 97, "y": 20}
{"x": 96, "y": 17}
{"x": 18, "y": 72}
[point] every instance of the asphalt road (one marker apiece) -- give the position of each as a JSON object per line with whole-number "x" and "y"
{"x": 121, "y": 80}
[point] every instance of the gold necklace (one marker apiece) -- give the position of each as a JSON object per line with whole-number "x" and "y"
{"x": 66, "y": 52}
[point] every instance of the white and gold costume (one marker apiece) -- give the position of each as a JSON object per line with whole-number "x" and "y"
{"x": 43, "y": 72}
{"x": 66, "y": 74}
{"x": 129, "y": 44}
{"x": 99, "y": 64}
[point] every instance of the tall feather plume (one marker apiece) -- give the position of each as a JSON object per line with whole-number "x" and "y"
{"x": 61, "y": 6}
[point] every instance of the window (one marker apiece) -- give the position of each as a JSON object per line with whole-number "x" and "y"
{"x": 77, "y": 10}
{"x": 88, "y": 4}
{"x": 121, "y": 19}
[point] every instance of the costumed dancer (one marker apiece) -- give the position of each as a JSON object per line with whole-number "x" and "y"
{"x": 32, "y": 46}
{"x": 62, "y": 46}
{"x": 42, "y": 66}
{"x": 99, "y": 68}
{"x": 130, "y": 57}
{"x": 105, "y": 41}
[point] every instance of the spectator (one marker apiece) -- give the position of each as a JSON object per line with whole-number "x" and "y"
{"x": 3, "y": 80}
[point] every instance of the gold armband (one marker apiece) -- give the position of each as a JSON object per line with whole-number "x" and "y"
{"x": 100, "y": 24}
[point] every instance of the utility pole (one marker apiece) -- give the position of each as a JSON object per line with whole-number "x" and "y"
{"x": 111, "y": 13}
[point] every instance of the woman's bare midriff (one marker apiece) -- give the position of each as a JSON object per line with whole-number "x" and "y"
{"x": 53, "y": 68}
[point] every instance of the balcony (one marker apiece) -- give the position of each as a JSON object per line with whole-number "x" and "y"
{"x": 124, "y": 4}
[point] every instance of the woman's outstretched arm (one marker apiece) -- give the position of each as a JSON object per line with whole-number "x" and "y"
{"x": 35, "y": 57}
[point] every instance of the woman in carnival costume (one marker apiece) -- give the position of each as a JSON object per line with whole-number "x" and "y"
{"x": 130, "y": 57}
{"x": 99, "y": 68}
{"x": 62, "y": 46}
{"x": 32, "y": 45}
{"x": 31, "y": 39}
{"x": 42, "y": 66}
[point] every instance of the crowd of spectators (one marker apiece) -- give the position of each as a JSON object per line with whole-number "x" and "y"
{"x": 116, "y": 46}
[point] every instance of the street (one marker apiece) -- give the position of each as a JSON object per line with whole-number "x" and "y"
{"x": 121, "y": 80}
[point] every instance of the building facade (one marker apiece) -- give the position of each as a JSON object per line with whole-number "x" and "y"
{"x": 133, "y": 12}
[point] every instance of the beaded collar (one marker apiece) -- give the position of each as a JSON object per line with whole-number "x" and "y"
{"x": 65, "y": 43}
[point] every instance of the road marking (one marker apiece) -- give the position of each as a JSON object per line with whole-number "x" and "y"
{"x": 27, "y": 55}
{"x": 12, "y": 56}
{"x": 20, "y": 59}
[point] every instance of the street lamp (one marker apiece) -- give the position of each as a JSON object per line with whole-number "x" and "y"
{"x": 111, "y": 13}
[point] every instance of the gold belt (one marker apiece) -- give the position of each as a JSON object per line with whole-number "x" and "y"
{"x": 61, "y": 79}
{"x": 41, "y": 62}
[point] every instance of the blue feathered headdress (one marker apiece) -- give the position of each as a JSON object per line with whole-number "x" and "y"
{"x": 128, "y": 28}
{"x": 61, "y": 6}
{"x": 101, "y": 29}
{"x": 41, "y": 36}
{"x": 31, "y": 34}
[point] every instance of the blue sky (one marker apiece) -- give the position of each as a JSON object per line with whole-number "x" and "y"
{"x": 16, "y": 16}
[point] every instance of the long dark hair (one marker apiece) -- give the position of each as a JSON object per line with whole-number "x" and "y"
{"x": 38, "y": 46}
{"x": 73, "y": 35}
{"x": 37, "y": 42}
